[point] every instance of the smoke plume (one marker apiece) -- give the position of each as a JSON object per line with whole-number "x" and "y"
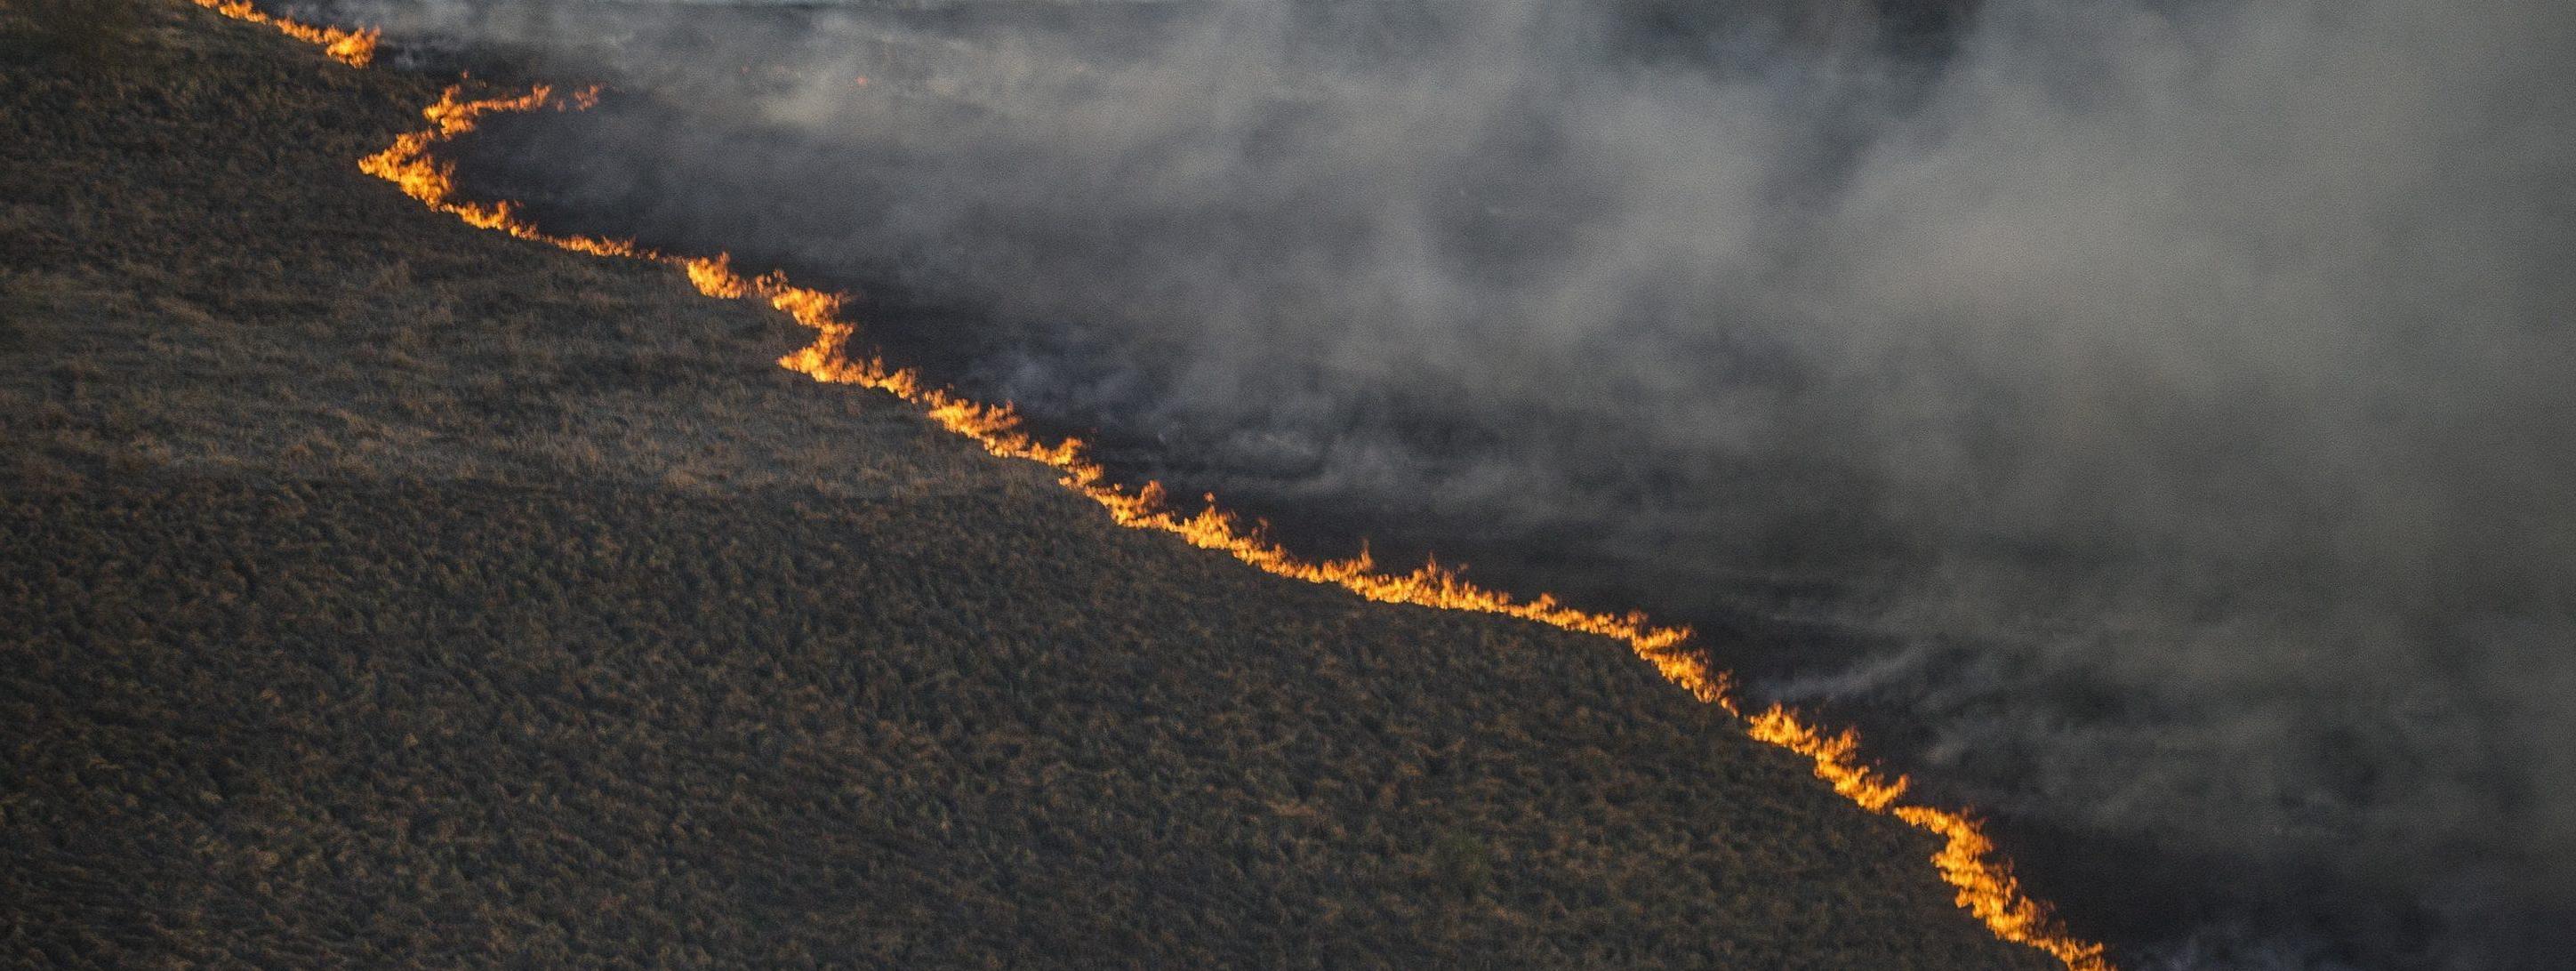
{"x": 2159, "y": 411}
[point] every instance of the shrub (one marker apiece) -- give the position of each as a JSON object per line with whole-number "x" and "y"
{"x": 87, "y": 33}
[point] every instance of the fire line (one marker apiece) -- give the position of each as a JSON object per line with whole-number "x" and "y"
{"x": 1968, "y": 859}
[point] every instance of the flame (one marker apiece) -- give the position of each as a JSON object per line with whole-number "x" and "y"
{"x": 355, "y": 48}
{"x": 407, "y": 163}
{"x": 1968, "y": 859}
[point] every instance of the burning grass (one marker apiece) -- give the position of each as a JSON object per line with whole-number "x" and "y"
{"x": 1968, "y": 860}
{"x": 394, "y": 592}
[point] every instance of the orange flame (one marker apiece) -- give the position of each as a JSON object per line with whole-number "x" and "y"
{"x": 355, "y": 48}
{"x": 1968, "y": 860}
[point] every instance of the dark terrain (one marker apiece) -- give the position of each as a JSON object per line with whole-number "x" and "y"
{"x": 2287, "y": 798}
{"x": 376, "y": 591}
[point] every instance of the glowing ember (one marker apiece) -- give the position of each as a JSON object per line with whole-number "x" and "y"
{"x": 1967, "y": 859}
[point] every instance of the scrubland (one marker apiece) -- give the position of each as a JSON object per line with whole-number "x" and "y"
{"x": 375, "y": 591}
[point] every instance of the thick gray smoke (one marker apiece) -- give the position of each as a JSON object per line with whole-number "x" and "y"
{"x": 2169, "y": 403}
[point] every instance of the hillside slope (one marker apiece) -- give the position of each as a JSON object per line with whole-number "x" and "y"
{"x": 378, "y": 591}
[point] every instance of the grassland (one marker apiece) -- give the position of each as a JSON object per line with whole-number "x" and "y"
{"x": 377, "y": 592}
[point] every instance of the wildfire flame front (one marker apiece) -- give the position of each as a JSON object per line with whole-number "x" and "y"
{"x": 1968, "y": 860}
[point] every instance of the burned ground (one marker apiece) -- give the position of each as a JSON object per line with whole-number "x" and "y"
{"x": 378, "y": 591}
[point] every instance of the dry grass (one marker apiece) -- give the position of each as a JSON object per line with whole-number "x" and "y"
{"x": 376, "y": 592}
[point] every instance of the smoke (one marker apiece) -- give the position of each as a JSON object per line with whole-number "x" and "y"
{"x": 2160, "y": 410}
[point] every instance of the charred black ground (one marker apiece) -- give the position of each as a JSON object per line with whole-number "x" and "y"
{"x": 380, "y": 591}
{"x": 2370, "y": 680}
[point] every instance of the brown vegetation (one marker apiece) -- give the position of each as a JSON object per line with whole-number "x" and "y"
{"x": 376, "y": 591}
{"x": 76, "y": 35}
